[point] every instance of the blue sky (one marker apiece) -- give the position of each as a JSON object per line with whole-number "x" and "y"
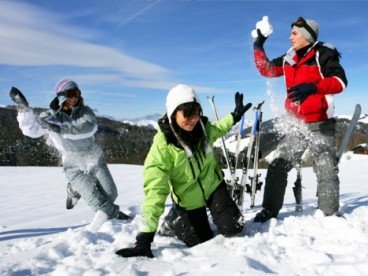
{"x": 126, "y": 55}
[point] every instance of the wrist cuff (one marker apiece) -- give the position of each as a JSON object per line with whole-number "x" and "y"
{"x": 145, "y": 237}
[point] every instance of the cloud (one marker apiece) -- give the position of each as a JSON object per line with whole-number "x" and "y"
{"x": 25, "y": 44}
{"x": 141, "y": 83}
{"x": 32, "y": 37}
{"x": 137, "y": 14}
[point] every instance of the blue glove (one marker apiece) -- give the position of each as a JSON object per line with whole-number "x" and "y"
{"x": 300, "y": 92}
{"x": 142, "y": 248}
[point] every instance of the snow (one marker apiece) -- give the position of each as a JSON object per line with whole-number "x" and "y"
{"x": 39, "y": 236}
{"x": 231, "y": 141}
{"x": 146, "y": 123}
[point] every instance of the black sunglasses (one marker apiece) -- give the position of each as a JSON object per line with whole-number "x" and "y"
{"x": 301, "y": 23}
{"x": 72, "y": 93}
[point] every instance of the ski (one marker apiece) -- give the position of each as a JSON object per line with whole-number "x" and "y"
{"x": 253, "y": 147}
{"x": 256, "y": 185}
{"x": 247, "y": 161}
{"x": 349, "y": 131}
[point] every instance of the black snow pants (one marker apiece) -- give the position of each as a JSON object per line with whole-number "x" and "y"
{"x": 192, "y": 226}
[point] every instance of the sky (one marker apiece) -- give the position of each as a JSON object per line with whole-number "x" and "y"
{"x": 126, "y": 55}
{"x": 38, "y": 236}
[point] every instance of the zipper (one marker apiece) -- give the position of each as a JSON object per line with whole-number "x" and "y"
{"x": 198, "y": 180}
{"x": 191, "y": 167}
{"x": 202, "y": 189}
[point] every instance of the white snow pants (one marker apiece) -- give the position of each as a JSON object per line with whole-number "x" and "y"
{"x": 88, "y": 174}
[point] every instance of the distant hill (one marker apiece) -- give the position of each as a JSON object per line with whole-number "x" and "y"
{"x": 128, "y": 143}
{"x": 148, "y": 121}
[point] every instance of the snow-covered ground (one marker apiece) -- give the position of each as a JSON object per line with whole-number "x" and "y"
{"x": 39, "y": 236}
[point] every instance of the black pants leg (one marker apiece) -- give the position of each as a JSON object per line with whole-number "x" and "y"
{"x": 225, "y": 213}
{"x": 192, "y": 227}
{"x": 289, "y": 153}
{"x": 276, "y": 181}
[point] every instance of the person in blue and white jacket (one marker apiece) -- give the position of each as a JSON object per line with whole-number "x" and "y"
{"x": 70, "y": 127}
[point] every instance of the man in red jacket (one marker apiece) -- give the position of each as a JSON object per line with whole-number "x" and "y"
{"x": 313, "y": 75}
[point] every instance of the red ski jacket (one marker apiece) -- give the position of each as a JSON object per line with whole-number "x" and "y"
{"x": 320, "y": 65}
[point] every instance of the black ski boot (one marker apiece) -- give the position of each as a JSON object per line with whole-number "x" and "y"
{"x": 264, "y": 216}
{"x": 72, "y": 197}
{"x": 123, "y": 216}
{"x": 18, "y": 97}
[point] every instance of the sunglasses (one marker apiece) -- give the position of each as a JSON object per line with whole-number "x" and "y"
{"x": 72, "y": 93}
{"x": 301, "y": 23}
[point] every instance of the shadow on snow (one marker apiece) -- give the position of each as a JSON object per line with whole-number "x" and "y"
{"x": 29, "y": 233}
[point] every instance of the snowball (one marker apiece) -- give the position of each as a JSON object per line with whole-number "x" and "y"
{"x": 264, "y": 26}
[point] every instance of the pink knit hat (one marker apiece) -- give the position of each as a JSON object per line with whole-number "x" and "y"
{"x": 64, "y": 85}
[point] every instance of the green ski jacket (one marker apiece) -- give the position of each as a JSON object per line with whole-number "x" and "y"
{"x": 191, "y": 181}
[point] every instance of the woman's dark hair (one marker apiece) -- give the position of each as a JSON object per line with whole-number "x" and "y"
{"x": 195, "y": 137}
{"x": 189, "y": 109}
{"x": 80, "y": 102}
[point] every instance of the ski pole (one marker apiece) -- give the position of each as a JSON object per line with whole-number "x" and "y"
{"x": 223, "y": 146}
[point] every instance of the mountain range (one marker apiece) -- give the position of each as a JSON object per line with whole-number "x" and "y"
{"x": 147, "y": 121}
{"x": 128, "y": 141}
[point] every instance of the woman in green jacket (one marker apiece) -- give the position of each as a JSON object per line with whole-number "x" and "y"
{"x": 181, "y": 162}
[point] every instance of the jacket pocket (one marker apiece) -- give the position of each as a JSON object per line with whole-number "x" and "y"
{"x": 314, "y": 104}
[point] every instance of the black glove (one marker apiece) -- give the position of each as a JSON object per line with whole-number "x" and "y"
{"x": 260, "y": 40}
{"x": 142, "y": 248}
{"x": 18, "y": 97}
{"x": 240, "y": 109}
{"x": 300, "y": 92}
{"x": 54, "y": 105}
